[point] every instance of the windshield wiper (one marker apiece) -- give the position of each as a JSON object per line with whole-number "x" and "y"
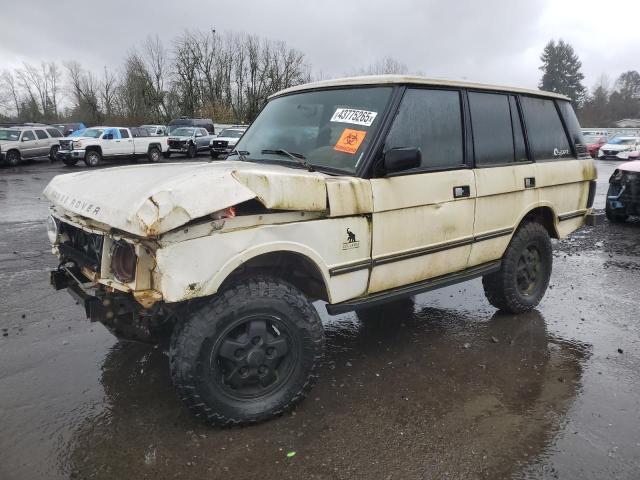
{"x": 298, "y": 157}
{"x": 241, "y": 153}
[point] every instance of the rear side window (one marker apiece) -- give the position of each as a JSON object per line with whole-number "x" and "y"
{"x": 493, "y": 138}
{"x": 28, "y": 135}
{"x": 54, "y": 133}
{"x": 41, "y": 134}
{"x": 571, "y": 122}
{"x": 430, "y": 120}
{"x": 547, "y": 137}
{"x": 124, "y": 133}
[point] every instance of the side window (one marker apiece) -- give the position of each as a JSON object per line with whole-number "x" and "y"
{"x": 41, "y": 134}
{"x": 571, "y": 121}
{"x": 493, "y": 141}
{"x": 518, "y": 135}
{"x": 432, "y": 121}
{"x": 547, "y": 137}
{"x": 28, "y": 135}
{"x": 124, "y": 133}
{"x": 54, "y": 133}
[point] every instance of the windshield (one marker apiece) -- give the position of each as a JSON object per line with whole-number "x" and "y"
{"x": 78, "y": 133}
{"x": 92, "y": 132}
{"x": 330, "y": 128}
{"x": 183, "y": 132}
{"x": 229, "y": 133}
{"x": 11, "y": 135}
{"x": 622, "y": 141}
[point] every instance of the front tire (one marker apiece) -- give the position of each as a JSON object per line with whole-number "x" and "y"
{"x": 192, "y": 151}
{"x": 249, "y": 354}
{"x": 92, "y": 158}
{"x": 524, "y": 275}
{"x": 13, "y": 158}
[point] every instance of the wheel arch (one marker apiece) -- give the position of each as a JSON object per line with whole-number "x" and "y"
{"x": 154, "y": 145}
{"x": 294, "y": 264}
{"x": 93, "y": 148}
{"x": 544, "y": 214}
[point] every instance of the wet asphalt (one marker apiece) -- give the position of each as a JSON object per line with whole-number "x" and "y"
{"x": 438, "y": 387}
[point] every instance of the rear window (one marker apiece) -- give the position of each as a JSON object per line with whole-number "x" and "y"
{"x": 547, "y": 137}
{"x": 430, "y": 120}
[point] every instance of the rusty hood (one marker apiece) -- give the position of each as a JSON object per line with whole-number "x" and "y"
{"x": 148, "y": 200}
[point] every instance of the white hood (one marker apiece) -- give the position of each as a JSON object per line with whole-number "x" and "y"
{"x": 148, "y": 200}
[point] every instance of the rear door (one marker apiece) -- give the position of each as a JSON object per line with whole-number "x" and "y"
{"x": 43, "y": 142}
{"x": 202, "y": 138}
{"x": 125, "y": 145}
{"x": 505, "y": 176}
{"x": 422, "y": 223}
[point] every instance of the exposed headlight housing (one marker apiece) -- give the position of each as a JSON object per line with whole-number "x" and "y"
{"x": 124, "y": 261}
{"x": 77, "y": 144}
{"x": 53, "y": 229}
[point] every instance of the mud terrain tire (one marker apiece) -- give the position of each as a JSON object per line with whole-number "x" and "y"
{"x": 524, "y": 275}
{"x": 232, "y": 367}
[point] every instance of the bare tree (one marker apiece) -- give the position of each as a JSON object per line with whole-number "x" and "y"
{"x": 10, "y": 92}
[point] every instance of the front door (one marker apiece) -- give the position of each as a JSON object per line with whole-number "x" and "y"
{"x": 423, "y": 219}
{"x": 28, "y": 144}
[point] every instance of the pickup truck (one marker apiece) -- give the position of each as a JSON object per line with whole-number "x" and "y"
{"x": 98, "y": 143}
{"x": 189, "y": 140}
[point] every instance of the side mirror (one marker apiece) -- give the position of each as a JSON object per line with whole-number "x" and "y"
{"x": 400, "y": 159}
{"x": 108, "y": 136}
{"x": 199, "y": 135}
{"x": 23, "y": 139}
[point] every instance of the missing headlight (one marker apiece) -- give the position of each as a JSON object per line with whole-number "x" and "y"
{"x": 123, "y": 262}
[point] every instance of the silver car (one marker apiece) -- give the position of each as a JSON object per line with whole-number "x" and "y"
{"x": 189, "y": 140}
{"x": 21, "y": 143}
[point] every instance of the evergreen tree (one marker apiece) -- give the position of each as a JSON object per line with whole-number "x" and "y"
{"x": 561, "y": 71}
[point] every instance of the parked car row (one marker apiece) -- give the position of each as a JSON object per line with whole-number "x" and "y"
{"x": 73, "y": 142}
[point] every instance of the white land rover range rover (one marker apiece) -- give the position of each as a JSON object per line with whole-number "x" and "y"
{"x": 356, "y": 192}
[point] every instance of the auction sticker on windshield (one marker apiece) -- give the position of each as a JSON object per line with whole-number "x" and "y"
{"x": 350, "y": 141}
{"x": 357, "y": 117}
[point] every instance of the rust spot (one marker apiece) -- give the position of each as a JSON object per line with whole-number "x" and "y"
{"x": 147, "y": 298}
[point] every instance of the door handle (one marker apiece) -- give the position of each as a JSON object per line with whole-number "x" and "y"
{"x": 461, "y": 192}
{"x": 529, "y": 182}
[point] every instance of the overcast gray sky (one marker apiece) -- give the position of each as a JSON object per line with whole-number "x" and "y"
{"x": 497, "y": 41}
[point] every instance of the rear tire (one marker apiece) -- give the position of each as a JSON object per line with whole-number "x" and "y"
{"x": 192, "y": 151}
{"x": 249, "y": 354}
{"x": 52, "y": 153}
{"x": 92, "y": 158}
{"x": 154, "y": 154}
{"x": 524, "y": 275}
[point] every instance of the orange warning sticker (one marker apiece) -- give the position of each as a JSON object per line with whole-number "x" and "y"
{"x": 350, "y": 141}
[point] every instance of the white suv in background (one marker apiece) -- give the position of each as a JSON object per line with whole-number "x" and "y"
{"x": 21, "y": 143}
{"x": 619, "y": 148}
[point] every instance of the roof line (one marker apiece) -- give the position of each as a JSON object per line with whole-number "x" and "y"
{"x": 412, "y": 80}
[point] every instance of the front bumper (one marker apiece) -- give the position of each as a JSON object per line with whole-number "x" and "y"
{"x": 99, "y": 305}
{"x": 613, "y": 155}
{"x": 70, "y": 154}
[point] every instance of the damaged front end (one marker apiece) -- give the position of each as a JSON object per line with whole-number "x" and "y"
{"x": 623, "y": 196}
{"x": 111, "y": 277}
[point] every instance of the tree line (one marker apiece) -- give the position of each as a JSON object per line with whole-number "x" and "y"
{"x": 604, "y": 104}
{"x": 225, "y": 76}
{"x": 229, "y": 76}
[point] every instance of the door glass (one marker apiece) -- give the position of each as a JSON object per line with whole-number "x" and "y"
{"x": 124, "y": 133}
{"x": 492, "y": 133}
{"x": 28, "y": 135}
{"x": 430, "y": 120}
{"x": 41, "y": 134}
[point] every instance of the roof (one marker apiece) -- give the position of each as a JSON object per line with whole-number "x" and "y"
{"x": 412, "y": 80}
